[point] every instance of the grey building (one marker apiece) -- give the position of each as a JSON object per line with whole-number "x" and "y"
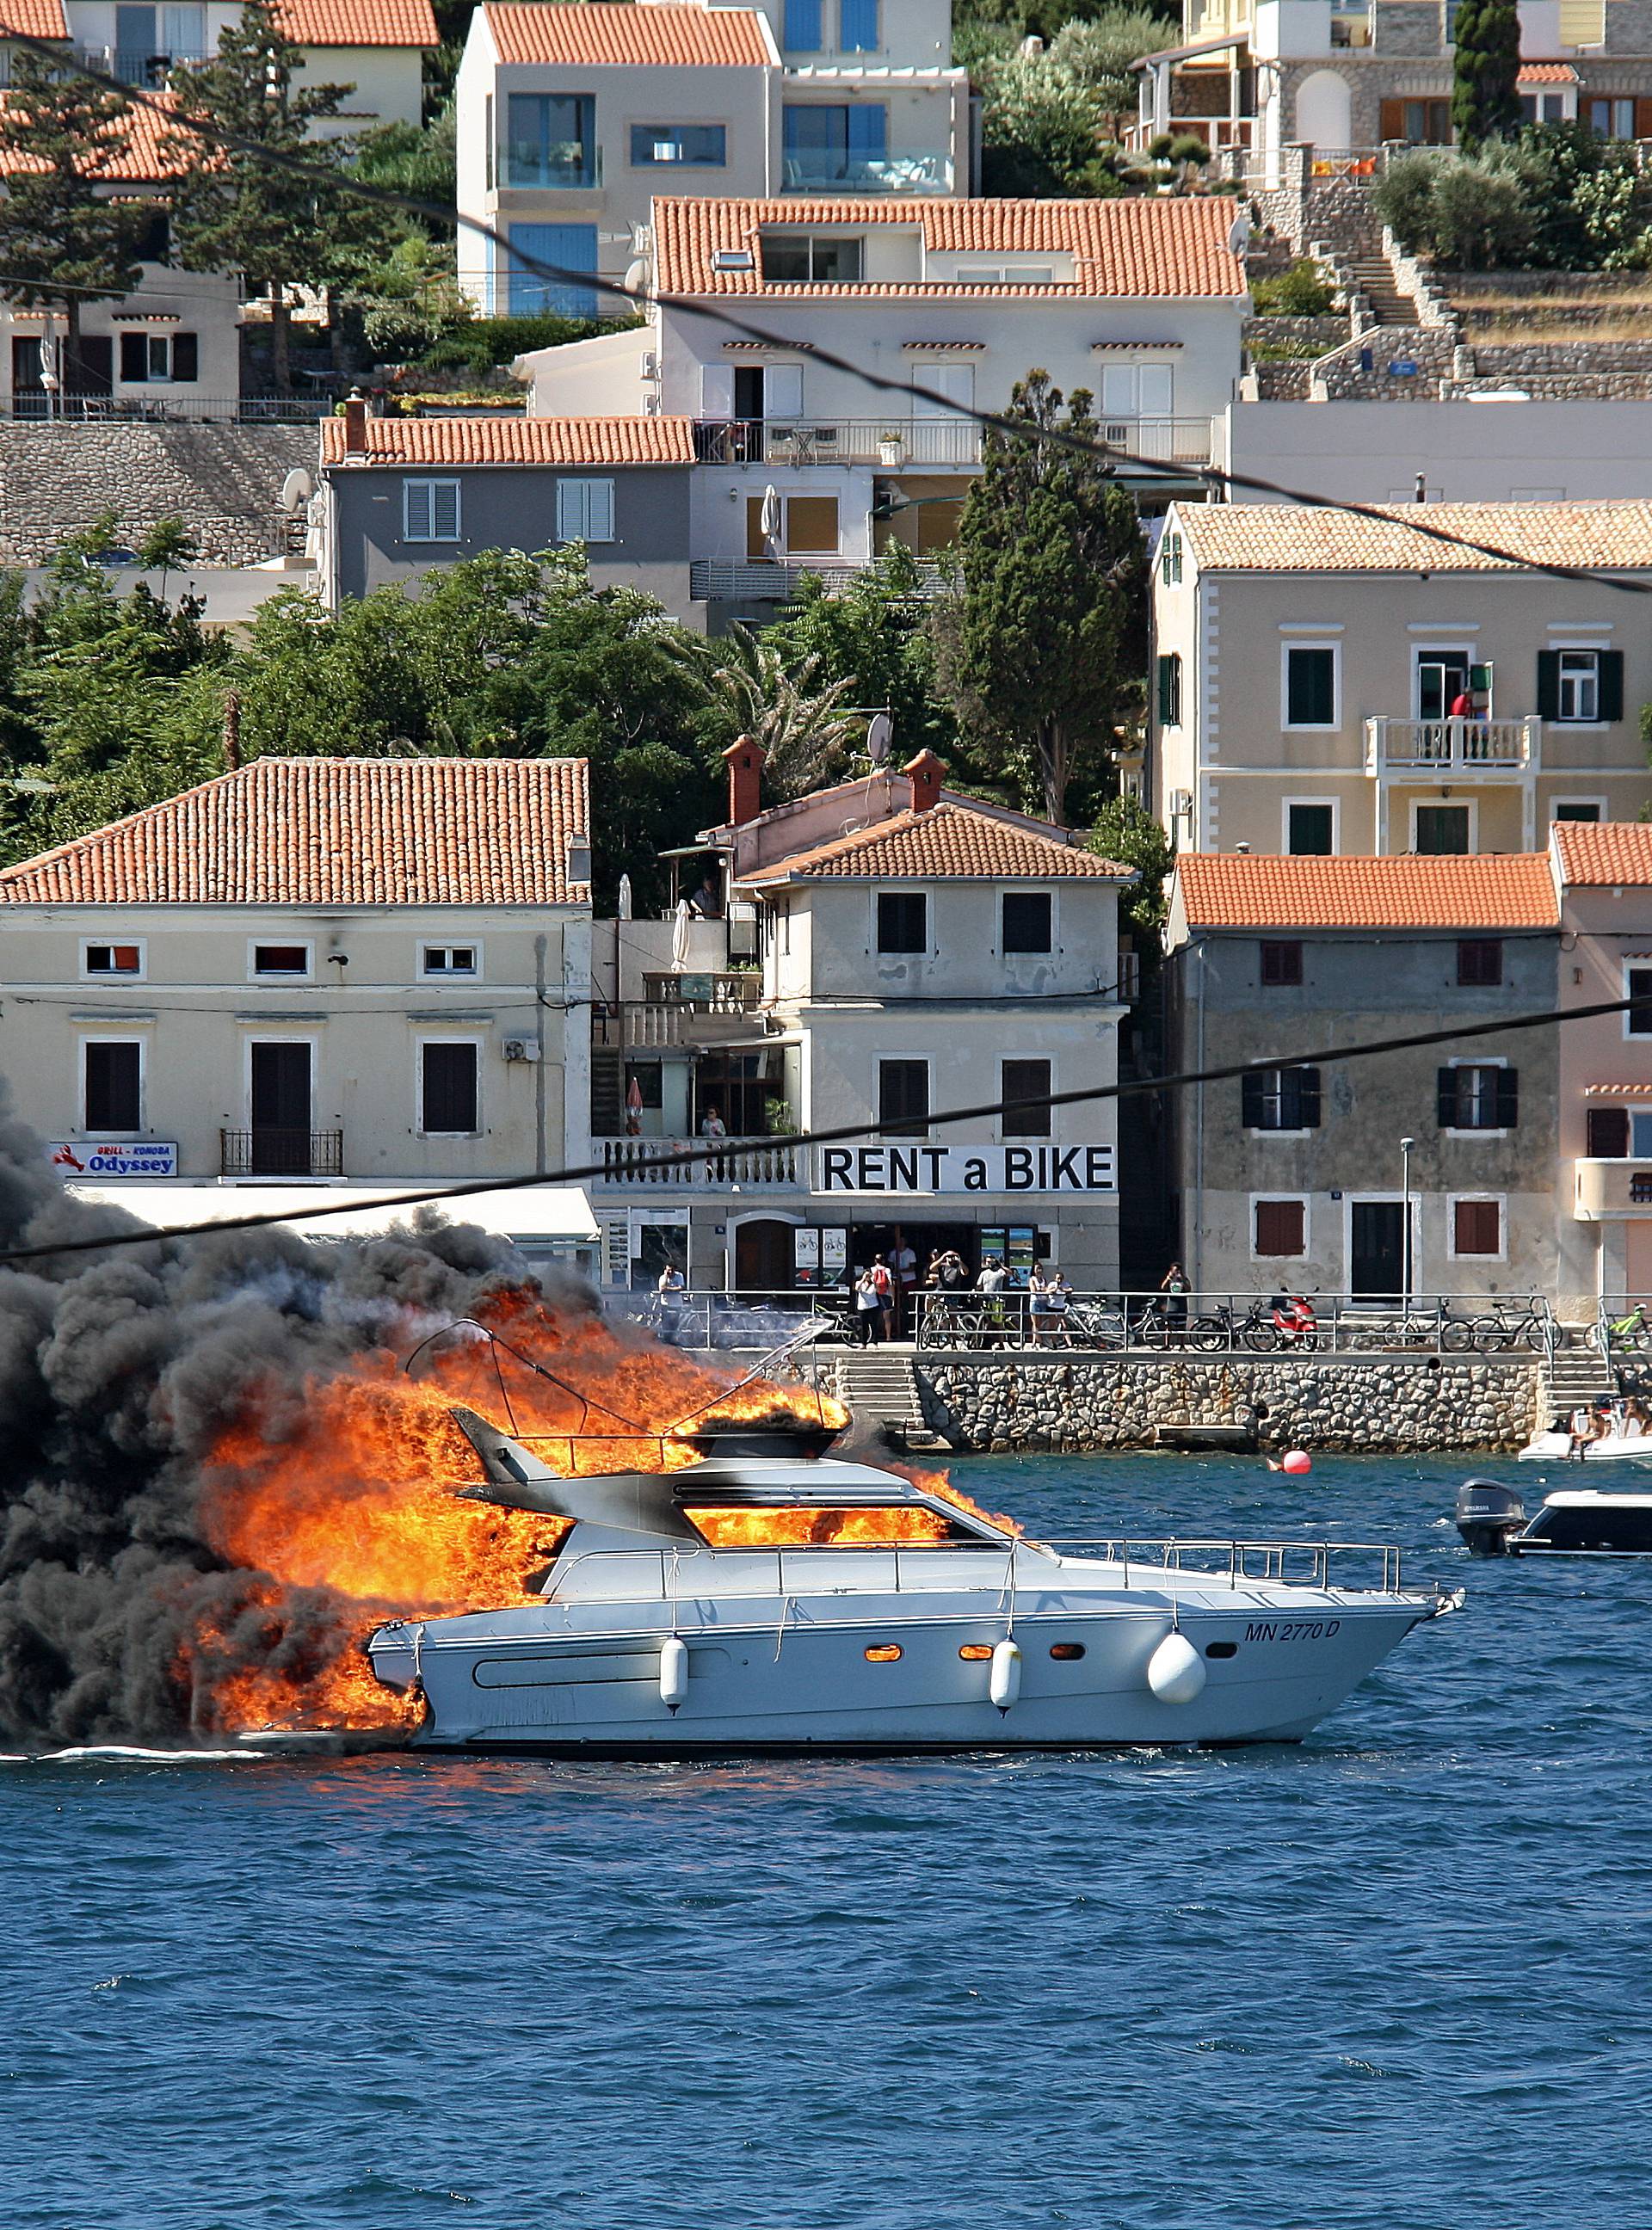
{"x": 399, "y": 496}
{"x": 1296, "y": 1178}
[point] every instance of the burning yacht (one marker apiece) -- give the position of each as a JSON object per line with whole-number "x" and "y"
{"x": 770, "y": 1597}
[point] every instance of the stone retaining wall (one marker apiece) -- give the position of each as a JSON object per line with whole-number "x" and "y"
{"x": 223, "y": 481}
{"x": 1376, "y": 1403}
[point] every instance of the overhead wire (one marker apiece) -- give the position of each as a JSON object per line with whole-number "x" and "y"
{"x": 895, "y": 1134}
{"x": 713, "y": 311}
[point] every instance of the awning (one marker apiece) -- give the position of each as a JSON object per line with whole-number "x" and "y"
{"x": 1099, "y": 348}
{"x": 529, "y": 1213}
{"x": 1618, "y": 1091}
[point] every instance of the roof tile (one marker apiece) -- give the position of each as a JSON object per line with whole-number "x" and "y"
{"x": 37, "y": 19}
{"x": 517, "y": 441}
{"x": 1608, "y": 852}
{"x": 359, "y": 22}
{"x": 608, "y": 33}
{"x": 1288, "y": 538}
{"x": 334, "y": 832}
{"x": 1127, "y": 247}
{"x": 146, "y": 125}
{"x": 1476, "y": 890}
{"x": 946, "y": 843}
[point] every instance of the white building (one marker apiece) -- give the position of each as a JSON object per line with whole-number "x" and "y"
{"x": 364, "y": 972}
{"x": 573, "y": 119}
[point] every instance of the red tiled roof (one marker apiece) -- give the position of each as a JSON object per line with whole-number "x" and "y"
{"x": 334, "y": 832}
{"x": 1548, "y": 73}
{"x": 1288, "y": 538}
{"x": 604, "y": 34}
{"x": 1127, "y": 248}
{"x": 947, "y": 843}
{"x": 146, "y": 125}
{"x": 517, "y": 440}
{"x": 359, "y": 22}
{"x": 1476, "y": 890}
{"x": 1603, "y": 851}
{"x": 36, "y": 19}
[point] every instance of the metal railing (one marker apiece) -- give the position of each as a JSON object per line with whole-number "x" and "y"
{"x": 792, "y": 1323}
{"x": 140, "y": 66}
{"x": 570, "y": 165}
{"x": 756, "y": 580}
{"x": 1237, "y": 1323}
{"x": 281, "y": 1153}
{"x": 887, "y": 441}
{"x": 169, "y": 409}
{"x": 1464, "y": 746}
{"x": 834, "y": 170}
{"x": 1241, "y": 1561}
{"x": 754, "y": 1165}
{"x": 1623, "y": 1325}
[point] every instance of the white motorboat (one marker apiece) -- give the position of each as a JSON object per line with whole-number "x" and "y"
{"x": 770, "y": 1597}
{"x": 1576, "y": 1521}
{"x": 1556, "y": 1447}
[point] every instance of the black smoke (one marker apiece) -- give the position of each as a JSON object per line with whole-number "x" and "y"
{"x": 118, "y": 1373}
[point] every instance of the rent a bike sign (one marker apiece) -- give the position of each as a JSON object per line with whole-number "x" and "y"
{"x": 914, "y": 1170}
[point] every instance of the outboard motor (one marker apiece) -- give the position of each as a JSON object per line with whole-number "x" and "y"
{"x": 1488, "y": 1515}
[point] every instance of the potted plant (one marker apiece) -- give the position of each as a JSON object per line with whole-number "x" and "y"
{"x": 891, "y": 449}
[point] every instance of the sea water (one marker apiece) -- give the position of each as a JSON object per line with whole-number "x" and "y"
{"x": 1397, "y": 1978}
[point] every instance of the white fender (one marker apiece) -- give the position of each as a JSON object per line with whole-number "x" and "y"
{"x": 1004, "y": 1684}
{"x": 1175, "y": 1670}
{"x": 674, "y": 1672}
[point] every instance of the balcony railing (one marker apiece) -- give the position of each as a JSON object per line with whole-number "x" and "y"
{"x": 832, "y": 171}
{"x": 754, "y": 1164}
{"x": 704, "y": 1011}
{"x": 720, "y": 579}
{"x": 281, "y": 1153}
{"x": 892, "y": 442}
{"x": 569, "y": 165}
{"x": 140, "y": 66}
{"x": 163, "y": 407}
{"x": 1464, "y": 747}
{"x": 1162, "y": 440}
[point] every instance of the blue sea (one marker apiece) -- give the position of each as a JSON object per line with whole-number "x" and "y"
{"x": 1399, "y": 1978}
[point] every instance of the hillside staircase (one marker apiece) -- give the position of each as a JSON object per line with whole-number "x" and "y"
{"x": 880, "y": 1388}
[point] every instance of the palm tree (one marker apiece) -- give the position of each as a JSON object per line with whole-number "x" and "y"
{"x": 805, "y": 731}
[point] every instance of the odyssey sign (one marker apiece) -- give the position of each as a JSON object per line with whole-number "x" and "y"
{"x": 916, "y": 1168}
{"x": 114, "y": 1158}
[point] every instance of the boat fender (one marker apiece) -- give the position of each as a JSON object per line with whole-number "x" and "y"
{"x": 674, "y": 1672}
{"x": 1176, "y": 1671}
{"x": 1003, "y": 1685}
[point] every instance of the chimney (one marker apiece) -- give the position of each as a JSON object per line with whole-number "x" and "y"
{"x": 355, "y": 418}
{"x": 744, "y": 759}
{"x": 924, "y": 774}
{"x": 231, "y": 732}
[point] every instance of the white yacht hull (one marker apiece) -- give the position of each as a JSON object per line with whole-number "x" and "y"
{"x": 1555, "y": 1448}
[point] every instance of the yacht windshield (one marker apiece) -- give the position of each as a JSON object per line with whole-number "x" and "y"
{"x": 793, "y": 1525}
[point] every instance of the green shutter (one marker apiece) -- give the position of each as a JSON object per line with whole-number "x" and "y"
{"x": 1250, "y": 1095}
{"x": 1163, "y": 691}
{"x": 1548, "y": 686}
{"x": 1508, "y": 1098}
{"x": 1611, "y": 685}
{"x": 1446, "y": 1097}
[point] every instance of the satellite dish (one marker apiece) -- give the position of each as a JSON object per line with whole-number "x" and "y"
{"x": 637, "y": 276}
{"x": 296, "y": 489}
{"x": 879, "y": 736}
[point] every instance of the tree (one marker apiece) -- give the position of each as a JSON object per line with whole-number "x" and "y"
{"x": 1044, "y": 651}
{"x": 1484, "y": 101}
{"x": 870, "y": 633}
{"x": 64, "y": 243}
{"x": 242, "y": 211}
{"x": 792, "y": 710}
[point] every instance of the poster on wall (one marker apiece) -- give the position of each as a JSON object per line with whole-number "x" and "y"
{"x": 834, "y": 1254}
{"x": 805, "y": 1255}
{"x": 114, "y": 1158}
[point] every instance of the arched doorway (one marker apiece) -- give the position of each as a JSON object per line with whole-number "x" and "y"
{"x": 763, "y": 1255}
{"x": 1323, "y": 110}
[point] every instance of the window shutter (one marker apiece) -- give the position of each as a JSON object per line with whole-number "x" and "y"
{"x": 571, "y": 511}
{"x": 449, "y": 1096}
{"x": 1250, "y": 1094}
{"x": 134, "y": 356}
{"x": 783, "y": 390}
{"x": 415, "y": 510}
{"x": 599, "y": 510}
{"x": 112, "y": 1074}
{"x": 1477, "y": 1227}
{"x": 1392, "y": 120}
{"x": 186, "y": 356}
{"x": 1508, "y": 1098}
{"x": 868, "y": 129}
{"x": 1607, "y": 1139}
{"x": 1611, "y": 685}
{"x": 1155, "y": 391}
{"x": 1279, "y": 1227}
{"x": 1446, "y": 1082}
{"x": 1163, "y": 691}
{"x": 802, "y": 33}
{"x": 444, "y": 510}
{"x": 1307, "y": 1098}
{"x": 1548, "y": 686}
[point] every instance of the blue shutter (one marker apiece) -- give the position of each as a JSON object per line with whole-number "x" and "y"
{"x": 569, "y": 248}
{"x": 415, "y": 510}
{"x": 858, "y": 26}
{"x": 571, "y": 511}
{"x": 802, "y": 33}
{"x": 599, "y": 510}
{"x": 869, "y": 131}
{"x": 444, "y": 511}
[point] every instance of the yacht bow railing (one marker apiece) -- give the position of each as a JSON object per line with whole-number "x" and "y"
{"x": 1237, "y": 1562}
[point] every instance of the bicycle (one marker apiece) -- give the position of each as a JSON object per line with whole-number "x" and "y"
{"x": 1625, "y": 1335}
{"x": 1502, "y": 1328}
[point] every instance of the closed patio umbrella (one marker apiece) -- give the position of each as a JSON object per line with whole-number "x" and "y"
{"x": 680, "y": 936}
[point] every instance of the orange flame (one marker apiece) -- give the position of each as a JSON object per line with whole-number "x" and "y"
{"x": 727, "y": 1528}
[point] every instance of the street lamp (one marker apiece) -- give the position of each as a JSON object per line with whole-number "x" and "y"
{"x": 1406, "y": 1146}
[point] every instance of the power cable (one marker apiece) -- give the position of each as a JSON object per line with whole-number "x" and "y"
{"x": 712, "y": 311}
{"x": 889, "y": 1133}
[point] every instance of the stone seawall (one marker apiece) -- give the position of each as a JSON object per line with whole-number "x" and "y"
{"x": 1374, "y": 1404}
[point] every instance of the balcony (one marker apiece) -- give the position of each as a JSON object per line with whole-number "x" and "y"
{"x": 279, "y": 1153}
{"x": 688, "y": 1010}
{"x": 1160, "y": 440}
{"x": 723, "y": 580}
{"x": 1604, "y": 1191}
{"x": 890, "y": 443}
{"x": 565, "y": 166}
{"x": 753, "y": 1165}
{"x": 1465, "y": 749}
{"x": 134, "y": 66}
{"x": 835, "y": 170}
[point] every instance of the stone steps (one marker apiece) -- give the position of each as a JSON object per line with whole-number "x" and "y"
{"x": 880, "y": 1388}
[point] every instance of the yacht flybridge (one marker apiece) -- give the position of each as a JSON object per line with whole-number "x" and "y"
{"x": 771, "y": 1597}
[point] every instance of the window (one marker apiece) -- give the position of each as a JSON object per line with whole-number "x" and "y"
{"x": 1476, "y": 1226}
{"x": 1311, "y": 828}
{"x": 550, "y": 140}
{"x": 1281, "y": 961}
{"x": 430, "y": 511}
{"x": 1281, "y": 1100}
{"x": 1137, "y": 391}
{"x": 449, "y": 960}
{"x": 585, "y": 511}
{"x": 1170, "y": 690}
{"x": 280, "y": 960}
{"x": 1641, "y": 1134}
{"x": 801, "y": 35}
{"x": 147, "y": 357}
{"x": 1280, "y": 1227}
{"x": 1025, "y": 1079}
{"x": 1006, "y": 274}
{"x": 115, "y": 960}
{"x": 857, "y": 26}
{"x": 1480, "y": 960}
{"x": 1607, "y": 1133}
{"x": 1479, "y": 1096}
{"x": 691, "y": 146}
{"x": 1026, "y": 925}
{"x": 1578, "y": 808}
{"x": 1310, "y": 686}
{"x": 1611, "y": 118}
{"x": 1441, "y": 828}
{"x": 830, "y": 146}
{"x": 903, "y": 1097}
{"x": 537, "y": 290}
{"x": 903, "y": 921}
{"x": 811, "y": 525}
{"x": 113, "y": 1083}
{"x": 795, "y": 256}
{"x": 1586, "y": 686}
{"x": 1637, "y": 984}
{"x": 1170, "y": 559}
{"x": 448, "y": 1089}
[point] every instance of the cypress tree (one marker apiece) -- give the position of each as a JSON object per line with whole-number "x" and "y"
{"x": 1485, "y": 103}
